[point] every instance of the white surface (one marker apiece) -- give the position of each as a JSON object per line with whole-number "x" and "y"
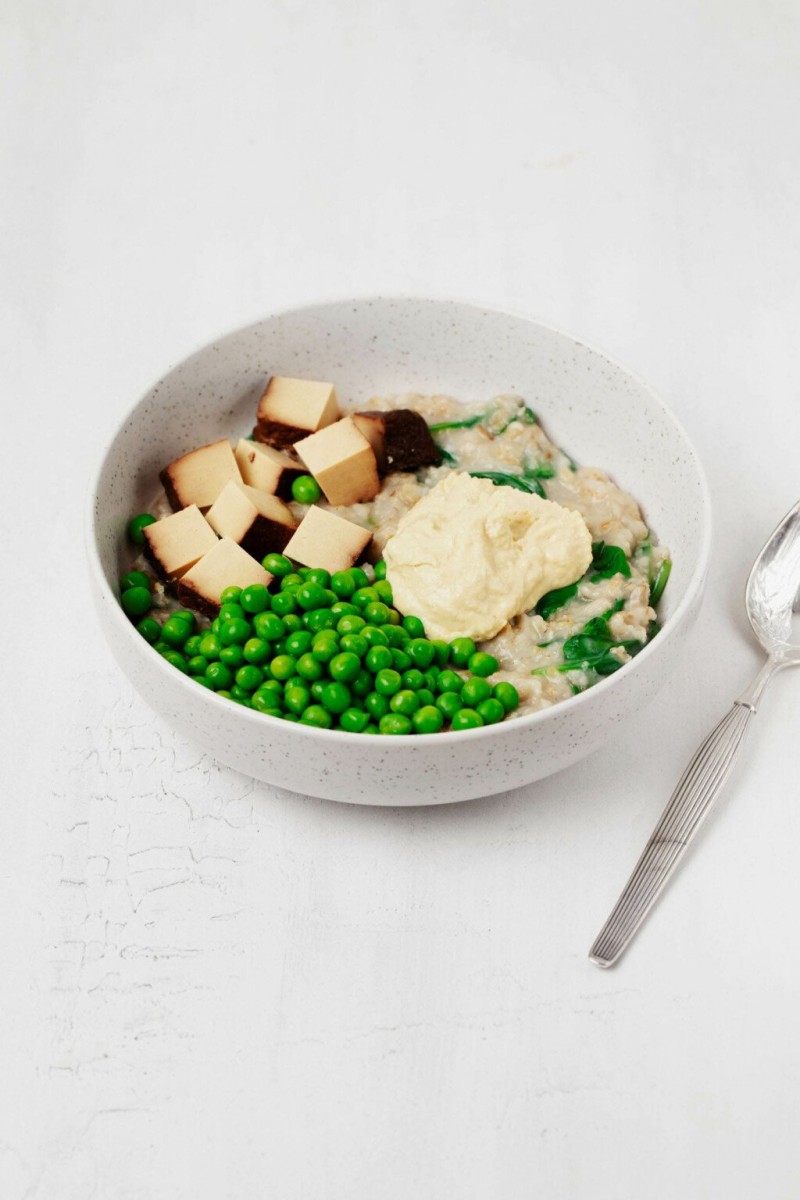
{"x": 210, "y": 989}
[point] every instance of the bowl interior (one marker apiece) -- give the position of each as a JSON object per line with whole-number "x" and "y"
{"x": 598, "y": 411}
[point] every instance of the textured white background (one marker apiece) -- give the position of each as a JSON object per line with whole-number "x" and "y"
{"x": 211, "y": 989}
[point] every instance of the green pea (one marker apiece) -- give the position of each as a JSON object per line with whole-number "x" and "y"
{"x": 413, "y": 679}
{"x": 325, "y": 645}
{"x": 315, "y": 714}
{"x": 269, "y": 627}
{"x": 192, "y": 644}
{"x": 396, "y": 636}
{"x": 225, "y": 694}
{"x": 240, "y": 693}
{"x": 395, "y": 723}
{"x": 319, "y": 575}
{"x": 491, "y": 711}
{"x": 384, "y": 590}
{"x": 344, "y": 667}
{"x": 343, "y": 584}
{"x": 507, "y": 694}
{"x": 425, "y": 696}
{"x": 360, "y": 577}
{"x": 449, "y": 703}
{"x": 342, "y": 609}
{"x": 371, "y": 727}
{"x": 302, "y": 571}
{"x": 310, "y": 596}
{"x": 219, "y": 675}
{"x": 350, "y": 623}
{"x": 336, "y": 697}
{"x": 136, "y": 601}
{"x": 257, "y": 651}
{"x": 405, "y": 702}
{"x": 149, "y": 629}
{"x": 255, "y": 598}
{"x": 317, "y": 688}
{"x": 305, "y": 489}
{"x": 297, "y": 698}
{"x": 183, "y": 614}
{"x": 361, "y": 686}
{"x": 292, "y": 622}
{"x": 176, "y": 659}
{"x": 175, "y": 631}
{"x": 298, "y": 643}
{"x": 354, "y": 643}
{"x": 421, "y": 652}
{"x": 400, "y": 660}
{"x": 430, "y": 678}
{"x": 427, "y": 719}
{"x": 231, "y": 611}
{"x": 197, "y": 665}
{"x": 449, "y": 681}
{"x": 309, "y": 667}
{"x": 232, "y": 656}
{"x": 274, "y": 687}
{"x": 394, "y": 617}
{"x": 293, "y": 581}
{"x": 282, "y": 667}
{"x": 388, "y": 681}
{"x": 363, "y": 596}
{"x": 201, "y": 679}
{"x": 210, "y": 646}
{"x": 380, "y": 569}
{"x": 376, "y": 705}
{"x": 374, "y": 636}
{"x": 441, "y": 652}
{"x": 136, "y": 527}
{"x": 277, "y": 564}
{"x": 467, "y": 718}
{"x": 378, "y": 659}
{"x": 235, "y": 632}
{"x": 135, "y": 579}
{"x": 249, "y": 677}
{"x": 461, "y": 651}
{"x": 414, "y": 627}
{"x": 376, "y": 613}
{"x": 482, "y": 664}
{"x": 318, "y": 619}
{"x": 230, "y": 595}
{"x": 475, "y": 691}
{"x": 353, "y": 720}
{"x": 261, "y": 704}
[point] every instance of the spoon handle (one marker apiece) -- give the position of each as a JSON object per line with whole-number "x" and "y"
{"x": 698, "y": 788}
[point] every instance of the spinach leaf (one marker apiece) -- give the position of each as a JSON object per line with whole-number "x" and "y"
{"x": 544, "y": 470}
{"x": 608, "y": 561}
{"x": 551, "y": 601}
{"x": 449, "y": 459}
{"x": 658, "y": 584}
{"x": 467, "y": 423}
{"x": 501, "y": 479}
{"x": 524, "y": 417}
{"x": 591, "y": 649}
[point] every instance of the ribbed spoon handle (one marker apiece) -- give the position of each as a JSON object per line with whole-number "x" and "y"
{"x": 698, "y": 788}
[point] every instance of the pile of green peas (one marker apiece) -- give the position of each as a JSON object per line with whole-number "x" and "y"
{"x": 328, "y": 651}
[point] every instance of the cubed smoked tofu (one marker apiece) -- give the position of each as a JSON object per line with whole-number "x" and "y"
{"x": 199, "y": 476}
{"x": 400, "y": 439}
{"x": 226, "y": 565}
{"x": 325, "y": 540}
{"x": 173, "y": 544}
{"x": 342, "y": 462}
{"x": 266, "y": 469}
{"x": 292, "y": 408}
{"x": 259, "y": 522}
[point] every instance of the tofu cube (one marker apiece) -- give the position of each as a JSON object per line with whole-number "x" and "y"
{"x": 325, "y": 540}
{"x": 173, "y": 544}
{"x": 342, "y": 462}
{"x": 400, "y": 439}
{"x": 259, "y": 522}
{"x": 225, "y": 565}
{"x": 267, "y": 469}
{"x": 292, "y": 408}
{"x": 199, "y": 476}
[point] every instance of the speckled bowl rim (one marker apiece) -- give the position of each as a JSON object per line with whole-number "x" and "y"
{"x": 389, "y": 741}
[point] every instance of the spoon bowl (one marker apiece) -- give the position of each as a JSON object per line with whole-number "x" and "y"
{"x": 772, "y": 595}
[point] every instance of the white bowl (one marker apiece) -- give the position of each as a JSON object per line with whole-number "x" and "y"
{"x": 598, "y": 411}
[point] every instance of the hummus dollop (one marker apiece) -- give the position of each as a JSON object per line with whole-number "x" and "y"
{"x": 470, "y": 556}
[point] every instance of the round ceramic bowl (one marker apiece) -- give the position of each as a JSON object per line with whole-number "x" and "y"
{"x": 598, "y": 411}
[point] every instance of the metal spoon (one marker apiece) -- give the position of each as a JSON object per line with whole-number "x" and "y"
{"x": 772, "y": 598}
